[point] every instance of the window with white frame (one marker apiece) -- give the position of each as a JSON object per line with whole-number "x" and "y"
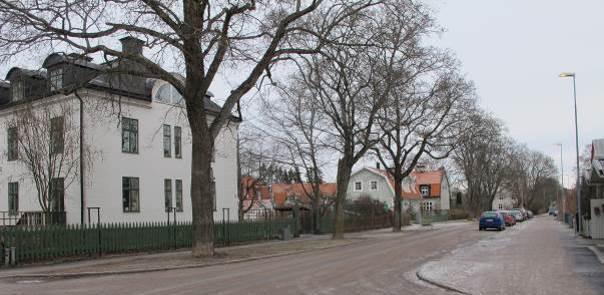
{"x": 56, "y": 79}
{"x": 13, "y": 144}
{"x": 130, "y": 194}
{"x": 500, "y": 206}
{"x": 13, "y": 198}
{"x": 129, "y": 135}
{"x": 167, "y": 141}
{"x": 17, "y": 90}
{"x": 168, "y": 194}
{"x": 358, "y": 186}
{"x": 373, "y": 185}
{"x": 177, "y": 142}
{"x": 427, "y": 206}
{"x": 178, "y": 188}
{"x": 424, "y": 190}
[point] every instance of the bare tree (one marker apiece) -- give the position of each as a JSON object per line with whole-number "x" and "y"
{"x": 427, "y": 100}
{"x": 483, "y": 157}
{"x": 48, "y": 146}
{"x": 202, "y": 36}
{"x": 297, "y": 125}
{"x": 348, "y": 85}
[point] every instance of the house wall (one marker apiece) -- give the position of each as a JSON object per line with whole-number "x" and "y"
{"x": 103, "y": 178}
{"x": 383, "y": 193}
{"x": 505, "y": 199}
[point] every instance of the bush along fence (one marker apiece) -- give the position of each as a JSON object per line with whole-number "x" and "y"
{"x": 31, "y": 244}
{"x": 357, "y": 223}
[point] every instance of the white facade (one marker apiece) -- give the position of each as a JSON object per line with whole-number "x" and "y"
{"x": 504, "y": 200}
{"x": 103, "y": 174}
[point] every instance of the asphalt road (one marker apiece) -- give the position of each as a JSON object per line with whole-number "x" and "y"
{"x": 380, "y": 264}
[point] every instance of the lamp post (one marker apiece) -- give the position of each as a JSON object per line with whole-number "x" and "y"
{"x": 578, "y": 188}
{"x": 562, "y": 196}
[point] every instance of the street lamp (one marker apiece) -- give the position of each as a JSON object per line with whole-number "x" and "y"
{"x": 562, "y": 197}
{"x": 578, "y": 188}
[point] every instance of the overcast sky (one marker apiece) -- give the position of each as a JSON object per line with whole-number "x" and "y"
{"x": 514, "y": 51}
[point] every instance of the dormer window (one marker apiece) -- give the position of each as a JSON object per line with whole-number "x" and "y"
{"x": 168, "y": 94}
{"x": 56, "y": 79}
{"x": 424, "y": 190}
{"x": 17, "y": 90}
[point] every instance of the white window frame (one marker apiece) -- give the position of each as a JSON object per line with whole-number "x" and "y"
{"x": 371, "y": 183}
{"x": 55, "y": 78}
{"x": 421, "y": 190}
{"x": 360, "y": 189}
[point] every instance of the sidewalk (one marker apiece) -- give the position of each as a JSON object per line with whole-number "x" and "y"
{"x": 178, "y": 259}
{"x": 533, "y": 257}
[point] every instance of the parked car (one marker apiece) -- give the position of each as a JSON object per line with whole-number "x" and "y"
{"x": 552, "y": 211}
{"x": 517, "y": 214}
{"x": 491, "y": 219}
{"x": 530, "y": 214}
{"x": 508, "y": 218}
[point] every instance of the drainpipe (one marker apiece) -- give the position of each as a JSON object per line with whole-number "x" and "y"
{"x": 81, "y": 156}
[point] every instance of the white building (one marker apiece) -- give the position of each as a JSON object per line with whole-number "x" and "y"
{"x": 137, "y": 145}
{"x": 504, "y": 200}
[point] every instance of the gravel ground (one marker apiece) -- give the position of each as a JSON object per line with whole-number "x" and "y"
{"x": 539, "y": 256}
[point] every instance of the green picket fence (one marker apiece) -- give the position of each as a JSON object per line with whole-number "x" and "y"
{"x": 49, "y": 242}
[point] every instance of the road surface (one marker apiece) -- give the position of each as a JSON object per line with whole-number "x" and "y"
{"x": 380, "y": 264}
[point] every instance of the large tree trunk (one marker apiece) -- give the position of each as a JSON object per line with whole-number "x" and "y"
{"x": 316, "y": 215}
{"x": 396, "y": 222}
{"x": 343, "y": 177}
{"x": 202, "y": 200}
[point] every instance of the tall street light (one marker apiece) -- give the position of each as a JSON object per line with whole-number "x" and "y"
{"x": 562, "y": 197}
{"x": 578, "y": 188}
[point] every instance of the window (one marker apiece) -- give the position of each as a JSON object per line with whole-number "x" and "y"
{"x": 130, "y": 194}
{"x": 358, "y": 186}
{"x": 57, "y": 139}
{"x": 177, "y": 142}
{"x": 57, "y": 195}
{"x": 178, "y": 205}
{"x": 13, "y": 144}
{"x": 17, "y": 89}
{"x": 167, "y": 141}
{"x": 373, "y": 185}
{"x": 56, "y": 79}
{"x": 500, "y": 206}
{"x": 168, "y": 194}
{"x": 129, "y": 135}
{"x": 427, "y": 206}
{"x": 424, "y": 190}
{"x": 168, "y": 94}
{"x": 13, "y": 198}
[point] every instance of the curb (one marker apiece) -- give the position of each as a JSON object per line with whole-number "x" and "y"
{"x": 158, "y": 269}
{"x": 439, "y": 284}
{"x": 597, "y": 253}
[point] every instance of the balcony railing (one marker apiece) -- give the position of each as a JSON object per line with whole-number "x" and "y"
{"x": 31, "y": 218}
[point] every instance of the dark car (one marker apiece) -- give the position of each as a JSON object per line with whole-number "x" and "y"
{"x": 491, "y": 219}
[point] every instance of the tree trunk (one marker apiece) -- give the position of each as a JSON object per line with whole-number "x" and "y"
{"x": 343, "y": 177}
{"x": 202, "y": 199}
{"x": 396, "y": 222}
{"x": 316, "y": 215}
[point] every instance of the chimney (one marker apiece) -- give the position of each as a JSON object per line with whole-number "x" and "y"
{"x": 131, "y": 45}
{"x": 377, "y": 165}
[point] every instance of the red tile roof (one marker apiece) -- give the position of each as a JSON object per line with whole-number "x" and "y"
{"x": 431, "y": 178}
{"x": 281, "y": 191}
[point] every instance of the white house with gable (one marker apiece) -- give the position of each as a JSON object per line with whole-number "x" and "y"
{"x": 136, "y": 145}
